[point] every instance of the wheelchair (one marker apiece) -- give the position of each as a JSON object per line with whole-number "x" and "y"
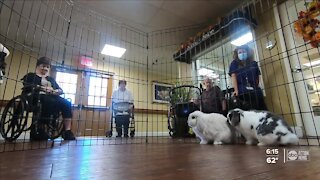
{"x": 16, "y": 113}
{"x": 122, "y": 109}
{"x": 180, "y": 108}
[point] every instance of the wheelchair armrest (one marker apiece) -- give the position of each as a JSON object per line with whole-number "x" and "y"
{"x": 33, "y": 88}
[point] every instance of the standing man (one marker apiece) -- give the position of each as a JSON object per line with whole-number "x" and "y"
{"x": 124, "y": 96}
{"x": 212, "y": 98}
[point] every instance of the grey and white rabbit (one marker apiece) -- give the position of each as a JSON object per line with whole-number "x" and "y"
{"x": 262, "y": 127}
{"x": 210, "y": 127}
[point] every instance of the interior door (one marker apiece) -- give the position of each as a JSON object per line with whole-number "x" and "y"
{"x": 94, "y": 103}
{"x": 90, "y": 94}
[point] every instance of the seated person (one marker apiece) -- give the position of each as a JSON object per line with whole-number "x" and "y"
{"x": 49, "y": 94}
{"x": 122, "y": 95}
{"x": 212, "y": 99}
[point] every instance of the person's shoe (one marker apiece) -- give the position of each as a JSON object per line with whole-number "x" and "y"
{"x": 118, "y": 136}
{"x": 38, "y": 135}
{"x": 68, "y": 135}
{"x": 126, "y": 136}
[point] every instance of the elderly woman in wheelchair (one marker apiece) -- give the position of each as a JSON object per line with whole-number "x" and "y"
{"x": 40, "y": 96}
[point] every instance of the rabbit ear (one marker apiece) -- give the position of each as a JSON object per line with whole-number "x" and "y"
{"x": 234, "y": 118}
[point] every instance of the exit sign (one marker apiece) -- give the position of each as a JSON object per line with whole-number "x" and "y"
{"x": 86, "y": 61}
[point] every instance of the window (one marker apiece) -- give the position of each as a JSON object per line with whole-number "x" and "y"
{"x": 68, "y": 83}
{"x": 97, "y": 95}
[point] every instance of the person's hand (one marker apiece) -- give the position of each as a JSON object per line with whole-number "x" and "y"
{"x": 235, "y": 93}
{"x": 46, "y": 89}
{"x": 58, "y": 92}
{"x": 50, "y": 90}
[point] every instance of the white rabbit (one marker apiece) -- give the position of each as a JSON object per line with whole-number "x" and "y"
{"x": 210, "y": 127}
{"x": 262, "y": 126}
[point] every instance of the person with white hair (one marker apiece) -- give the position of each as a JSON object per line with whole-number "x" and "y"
{"x": 212, "y": 99}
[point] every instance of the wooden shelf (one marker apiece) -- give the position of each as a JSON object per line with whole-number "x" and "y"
{"x": 221, "y": 31}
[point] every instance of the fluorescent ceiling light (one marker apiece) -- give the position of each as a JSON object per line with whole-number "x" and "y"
{"x": 208, "y": 72}
{"x": 205, "y": 72}
{"x": 113, "y": 51}
{"x": 313, "y": 63}
{"x": 244, "y": 39}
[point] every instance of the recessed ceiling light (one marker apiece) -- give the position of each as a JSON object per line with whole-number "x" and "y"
{"x": 113, "y": 51}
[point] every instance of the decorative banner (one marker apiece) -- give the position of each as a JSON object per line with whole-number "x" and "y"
{"x": 307, "y": 24}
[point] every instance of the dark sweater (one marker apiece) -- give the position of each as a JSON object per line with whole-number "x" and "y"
{"x": 32, "y": 79}
{"x": 212, "y": 100}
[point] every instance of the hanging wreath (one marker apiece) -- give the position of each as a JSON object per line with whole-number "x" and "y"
{"x": 308, "y": 22}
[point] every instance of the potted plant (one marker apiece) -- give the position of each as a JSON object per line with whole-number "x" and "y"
{"x": 181, "y": 105}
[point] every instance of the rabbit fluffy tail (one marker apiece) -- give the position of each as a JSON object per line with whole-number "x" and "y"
{"x": 289, "y": 139}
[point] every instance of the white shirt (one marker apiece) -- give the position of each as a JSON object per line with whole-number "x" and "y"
{"x": 122, "y": 96}
{"x": 45, "y": 83}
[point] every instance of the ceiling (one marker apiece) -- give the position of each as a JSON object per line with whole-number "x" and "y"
{"x": 151, "y": 15}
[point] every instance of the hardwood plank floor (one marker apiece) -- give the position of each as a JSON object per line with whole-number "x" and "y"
{"x": 167, "y": 160}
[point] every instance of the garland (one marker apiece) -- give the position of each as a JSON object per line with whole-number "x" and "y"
{"x": 307, "y": 25}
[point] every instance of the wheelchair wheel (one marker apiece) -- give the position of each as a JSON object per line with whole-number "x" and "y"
{"x": 53, "y": 125}
{"x": 14, "y": 118}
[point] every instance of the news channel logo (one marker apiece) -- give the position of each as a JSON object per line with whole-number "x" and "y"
{"x": 297, "y": 155}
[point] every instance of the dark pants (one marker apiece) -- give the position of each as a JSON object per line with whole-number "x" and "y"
{"x": 252, "y": 100}
{"x": 52, "y": 103}
{"x": 122, "y": 120}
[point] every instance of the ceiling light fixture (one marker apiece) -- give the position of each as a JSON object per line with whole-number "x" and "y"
{"x": 270, "y": 44}
{"x": 313, "y": 63}
{"x": 244, "y": 39}
{"x": 113, "y": 51}
{"x": 205, "y": 72}
{"x": 208, "y": 72}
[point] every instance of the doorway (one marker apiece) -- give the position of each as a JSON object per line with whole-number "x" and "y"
{"x": 303, "y": 69}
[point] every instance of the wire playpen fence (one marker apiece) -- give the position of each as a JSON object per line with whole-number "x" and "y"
{"x": 284, "y": 44}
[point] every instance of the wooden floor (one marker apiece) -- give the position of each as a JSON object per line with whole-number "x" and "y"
{"x": 163, "y": 161}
